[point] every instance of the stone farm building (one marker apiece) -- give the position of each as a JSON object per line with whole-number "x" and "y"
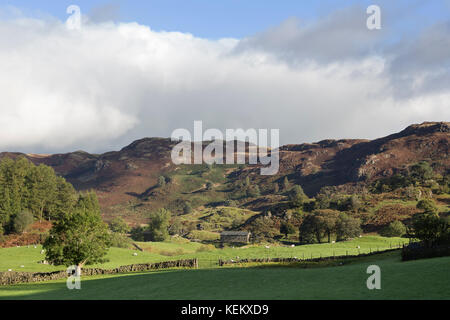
{"x": 234, "y": 236}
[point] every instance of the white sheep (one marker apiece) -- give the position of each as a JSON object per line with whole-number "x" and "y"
{"x": 9, "y": 270}
{"x": 42, "y": 251}
{"x": 135, "y": 254}
{"x": 358, "y": 247}
{"x": 292, "y": 245}
{"x": 22, "y": 266}
{"x": 267, "y": 247}
{"x": 333, "y": 241}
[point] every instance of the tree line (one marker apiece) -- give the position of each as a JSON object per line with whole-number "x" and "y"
{"x": 30, "y": 192}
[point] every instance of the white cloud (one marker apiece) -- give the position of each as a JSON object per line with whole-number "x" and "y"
{"x": 108, "y": 84}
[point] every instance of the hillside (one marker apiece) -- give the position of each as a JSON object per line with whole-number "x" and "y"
{"x": 126, "y": 180}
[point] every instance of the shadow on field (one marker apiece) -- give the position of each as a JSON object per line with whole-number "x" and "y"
{"x": 422, "y": 279}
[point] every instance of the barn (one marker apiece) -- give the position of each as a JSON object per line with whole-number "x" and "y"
{"x": 234, "y": 236}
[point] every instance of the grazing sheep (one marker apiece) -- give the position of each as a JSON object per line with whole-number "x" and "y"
{"x": 358, "y": 247}
{"x": 135, "y": 254}
{"x": 35, "y": 247}
{"x": 22, "y": 266}
{"x": 9, "y": 270}
{"x": 333, "y": 241}
{"x": 42, "y": 251}
{"x": 267, "y": 247}
{"x": 292, "y": 245}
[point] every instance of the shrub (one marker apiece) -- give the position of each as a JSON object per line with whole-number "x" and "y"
{"x": 137, "y": 233}
{"x": 119, "y": 225}
{"x": 159, "y": 224}
{"x": 347, "y": 227}
{"x": 119, "y": 240}
{"x": 394, "y": 229}
{"x": 22, "y": 221}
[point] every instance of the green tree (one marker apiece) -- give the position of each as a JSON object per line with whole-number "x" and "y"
{"x": 428, "y": 206}
{"x": 430, "y": 228}
{"x": 187, "y": 208}
{"x": 354, "y": 203}
{"x": 159, "y": 224}
{"x": 118, "y": 225}
{"x": 297, "y": 196}
{"x": 347, "y": 227}
{"x": 22, "y": 221}
{"x": 421, "y": 171}
{"x": 394, "y": 229}
{"x": 307, "y": 229}
{"x": 287, "y": 228}
{"x": 79, "y": 237}
{"x": 253, "y": 191}
{"x": 286, "y": 184}
{"x": 162, "y": 181}
{"x": 325, "y": 223}
{"x": 276, "y": 188}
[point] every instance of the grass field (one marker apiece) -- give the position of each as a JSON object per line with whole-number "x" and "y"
{"x": 28, "y": 257}
{"x": 422, "y": 279}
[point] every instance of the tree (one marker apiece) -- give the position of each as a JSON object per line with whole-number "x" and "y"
{"x": 421, "y": 171}
{"x": 325, "y": 223}
{"x": 428, "y": 206}
{"x": 322, "y": 201}
{"x": 159, "y": 224}
{"x": 253, "y": 191}
{"x": 297, "y": 196}
{"x": 187, "y": 208}
{"x": 354, "y": 203}
{"x": 307, "y": 229}
{"x": 394, "y": 229}
{"x": 79, "y": 237}
{"x": 430, "y": 228}
{"x": 162, "y": 181}
{"x": 286, "y": 184}
{"x": 118, "y": 225}
{"x": 347, "y": 227}
{"x": 276, "y": 188}
{"x": 287, "y": 228}
{"x": 22, "y": 221}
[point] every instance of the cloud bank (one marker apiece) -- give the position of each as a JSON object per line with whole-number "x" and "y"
{"x": 110, "y": 83}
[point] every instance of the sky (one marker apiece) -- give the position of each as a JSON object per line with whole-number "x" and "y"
{"x": 135, "y": 69}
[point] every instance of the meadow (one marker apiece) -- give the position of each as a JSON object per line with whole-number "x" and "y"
{"x": 27, "y": 258}
{"x": 421, "y": 279}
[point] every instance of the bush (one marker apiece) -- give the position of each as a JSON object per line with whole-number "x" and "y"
{"x": 394, "y": 229}
{"x": 22, "y": 221}
{"x": 137, "y": 233}
{"x": 119, "y": 240}
{"x": 414, "y": 252}
{"x": 159, "y": 225}
{"x": 119, "y": 225}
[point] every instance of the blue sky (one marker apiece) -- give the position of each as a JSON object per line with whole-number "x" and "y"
{"x": 238, "y": 18}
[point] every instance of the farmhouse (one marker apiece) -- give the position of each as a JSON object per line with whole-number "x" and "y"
{"x": 235, "y": 236}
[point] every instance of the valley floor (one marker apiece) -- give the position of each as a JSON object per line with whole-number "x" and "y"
{"x": 421, "y": 279}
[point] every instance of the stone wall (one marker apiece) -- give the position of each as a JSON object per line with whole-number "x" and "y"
{"x": 9, "y": 278}
{"x": 291, "y": 260}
